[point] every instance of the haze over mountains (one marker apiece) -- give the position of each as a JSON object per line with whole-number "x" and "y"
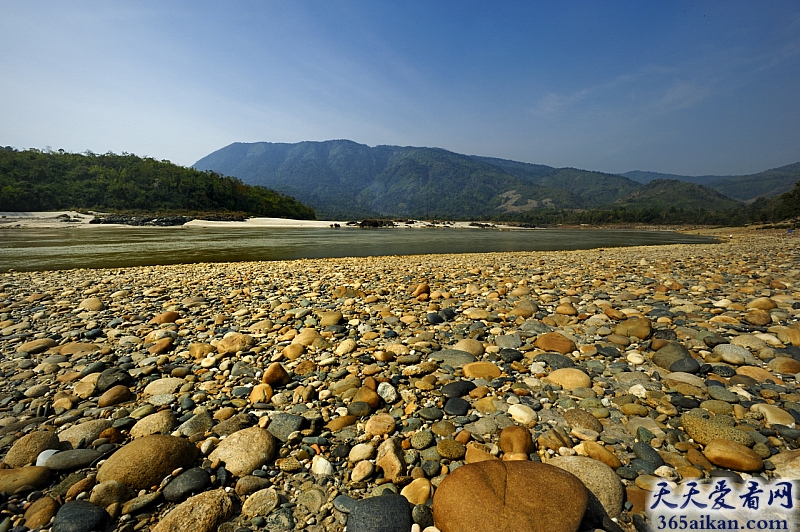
{"x": 341, "y": 178}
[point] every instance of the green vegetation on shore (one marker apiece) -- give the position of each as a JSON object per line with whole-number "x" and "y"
{"x": 34, "y": 180}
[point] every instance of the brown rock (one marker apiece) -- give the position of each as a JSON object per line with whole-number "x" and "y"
{"x": 600, "y": 453}
{"x": 555, "y": 342}
{"x": 144, "y": 462}
{"x": 470, "y": 345}
{"x": 418, "y": 491}
{"x": 276, "y": 375}
{"x": 481, "y": 370}
{"x": 758, "y": 317}
{"x": 201, "y": 513}
{"x": 92, "y": 304}
{"x": 337, "y": 424}
{"x": 516, "y": 439}
{"x": 421, "y": 288}
{"x": 83, "y": 485}
{"x": 165, "y": 317}
{"x": 391, "y": 459}
{"x": 637, "y": 327}
{"x": 570, "y": 378}
{"x": 293, "y": 351}
{"x": 579, "y": 418}
{"x": 77, "y": 348}
{"x": 161, "y": 346}
{"x": 758, "y": 374}
{"x": 726, "y": 453}
{"x": 261, "y": 502}
{"x": 306, "y": 337}
{"x": 114, "y": 396}
{"x": 762, "y": 303}
{"x": 32, "y": 477}
{"x": 245, "y": 450}
{"x": 233, "y": 343}
{"x": 27, "y": 448}
{"x": 40, "y": 512}
{"x": 478, "y": 452}
{"x": 162, "y": 422}
{"x": 37, "y": 346}
{"x": 369, "y": 396}
{"x": 380, "y": 424}
{"x": 200, "y": 350}
{"x": 329, "y": 317}
{"x": 496, "y": 495}
{"x": 566, "y": 309}
{"x": 261, "y": 393}
{"x": 785, "y": 365}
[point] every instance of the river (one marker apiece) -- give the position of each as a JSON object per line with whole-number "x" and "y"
{"x": 115, "y": 247}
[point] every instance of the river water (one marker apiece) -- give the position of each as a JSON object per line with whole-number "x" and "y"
{"x": 115, "y": 247}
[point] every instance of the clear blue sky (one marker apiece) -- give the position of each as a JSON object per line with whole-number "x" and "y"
{"x": 678, "y": 87}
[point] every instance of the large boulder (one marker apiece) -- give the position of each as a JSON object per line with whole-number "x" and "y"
{"x": 516, "y": 495}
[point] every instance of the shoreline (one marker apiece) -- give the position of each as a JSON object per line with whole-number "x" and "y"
{"x": 76, "y": 220}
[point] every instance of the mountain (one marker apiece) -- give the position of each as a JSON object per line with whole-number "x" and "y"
{"x": 663, "y": 194}
{"x": 341, "y": 178}
{"x": 646, "y": 177}
{"x": 744, "y": 188}
{"x": 34, "y": 180}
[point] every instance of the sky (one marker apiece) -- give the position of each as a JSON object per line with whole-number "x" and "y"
{"x": 681, "y": 87}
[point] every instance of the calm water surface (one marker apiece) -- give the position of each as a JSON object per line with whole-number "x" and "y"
{"x": 106, "y": 247}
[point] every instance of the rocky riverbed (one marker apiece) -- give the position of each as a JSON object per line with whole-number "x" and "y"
{"x": 449, "y": 392}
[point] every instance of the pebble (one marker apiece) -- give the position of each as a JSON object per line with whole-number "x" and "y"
{"x": 334, "y": 362}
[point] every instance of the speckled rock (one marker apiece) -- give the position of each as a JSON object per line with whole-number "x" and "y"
{"x": 202, "y": 513}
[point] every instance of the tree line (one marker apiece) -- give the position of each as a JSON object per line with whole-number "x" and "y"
{"x": 36, "y": 180}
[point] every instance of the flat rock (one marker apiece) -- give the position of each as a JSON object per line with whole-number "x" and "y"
{"x": 74, "y": 459}
{"x": 519, "y": 495}
{"x": 32, "y": 476}
{"x": 455, "y": 358}
{"x": 85, "y": 432}
{"x": 261, "y": 502}
{"x": 555, "y": 342}
{"x": 726, "y": 453}
{"x": 703, "y": 430}
{"x": 164, "y": 386}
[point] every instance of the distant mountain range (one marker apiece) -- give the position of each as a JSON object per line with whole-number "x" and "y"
{"x": 743, "y": 188}
{"x": 344, "y": 179}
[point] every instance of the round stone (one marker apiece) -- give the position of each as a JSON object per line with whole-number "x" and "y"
{"x": 570, "y": 378}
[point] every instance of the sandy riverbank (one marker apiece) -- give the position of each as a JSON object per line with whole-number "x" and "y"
{"x": 74, "y": 219}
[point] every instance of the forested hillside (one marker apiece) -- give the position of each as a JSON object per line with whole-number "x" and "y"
{"x": 34, "y": 180}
